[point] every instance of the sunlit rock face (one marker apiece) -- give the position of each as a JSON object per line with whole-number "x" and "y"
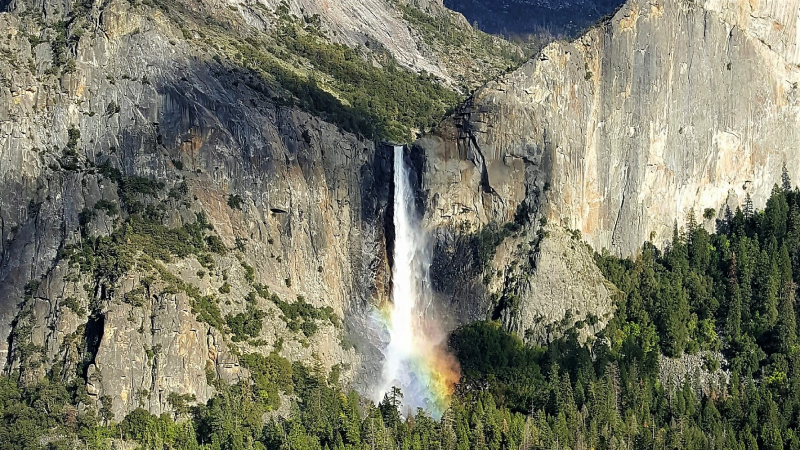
{"x": 668, "y": 108}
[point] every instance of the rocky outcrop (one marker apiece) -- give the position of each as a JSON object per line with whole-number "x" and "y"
{"x": 493, "y": 257}
{"x": 705, "y": 371}
{"x": 421, "y": 35}
{"x": 357, "y": 23}
{"x": 564, "y": 288}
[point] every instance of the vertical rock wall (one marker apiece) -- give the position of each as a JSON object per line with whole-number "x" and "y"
{"x": 670, "y": 107}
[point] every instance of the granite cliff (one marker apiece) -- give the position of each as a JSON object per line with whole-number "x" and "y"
{"x": 668, "y": 109}
{"x": 186, "y": 183}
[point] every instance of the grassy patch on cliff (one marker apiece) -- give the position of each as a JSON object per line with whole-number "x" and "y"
{"x": 363, "y": 90}
{"x": 338, "y": 83}
{"x": 475, "y": 56}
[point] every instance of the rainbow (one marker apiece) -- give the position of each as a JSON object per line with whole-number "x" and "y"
{"x": 427, "y": 375}
{"x": 415, "y": 358}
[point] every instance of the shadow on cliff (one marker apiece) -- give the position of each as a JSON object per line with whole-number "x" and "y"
{"x": 540, "y": 21}
{"x": 213, "y": 118}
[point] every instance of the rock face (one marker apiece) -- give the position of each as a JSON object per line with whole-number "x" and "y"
{"x": 490, "y": 260}
{"x": 357, "y": 22}
{"x": 121, "y": 109}
{"x": 670, "y": 107}
{"x": 307, "y": 217}
{"x": 422, "y": 35}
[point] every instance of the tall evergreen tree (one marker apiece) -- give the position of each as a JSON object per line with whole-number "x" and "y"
{"x": 748, "y": 206}
{"x": 776, "y": 214}
{"x": 786, "y": 181}
{"x": 786, "y": 330}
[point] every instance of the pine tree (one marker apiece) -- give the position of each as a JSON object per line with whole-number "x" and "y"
{"x": 477, "y": 439}
{"x": 390, "y": 407}
{"x": 352, "y": 420}
{"x": 449, "y": 439}
{"x": 793, "y": 229}
{"x": 691, "y": 223}
{"x": 733, "y": 320}
{"x": 724, "y": 224}
{"x": 530, "y": 435}
{"x": 770, "y": 295}
{"x": 745, "y": 253}
{"x": 786, "y": 181}
{"x": 739, "y": 223}
{"x": 748, "y": 206}
{"x": 771, "y": 429}
{"x": 786, "y": 329}
{"x": 674, "y": 315}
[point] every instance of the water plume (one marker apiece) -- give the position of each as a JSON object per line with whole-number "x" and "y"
{"x": 416, "y": 360}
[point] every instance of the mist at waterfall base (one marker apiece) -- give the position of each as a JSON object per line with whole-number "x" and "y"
{"x": 415, "y": 359}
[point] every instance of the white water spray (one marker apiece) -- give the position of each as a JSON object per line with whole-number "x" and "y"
{"x": 408, "y": 282}
{"x": 415, "y": 360}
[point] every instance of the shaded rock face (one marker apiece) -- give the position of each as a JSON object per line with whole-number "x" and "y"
{"x": 556, "y": 18}
{"x": 492, "y": 257}
{"x": 670, "y": 107}
{"x": 309, "y": 219}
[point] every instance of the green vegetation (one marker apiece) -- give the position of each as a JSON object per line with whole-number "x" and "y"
{"x": 73, "y": 304}
{"x": 107, "y": 258}
{"x": 59, "y": 45}
{"x": 363, "y": 90}
{"x": 246, "y": 324}
{"x": 49, "y": 407}
{"x": 142, "y": 241}
{"x": 136, "y": 297}
{"x": 385, "y": 102}
{"x": 112, "y": 108}
{"x": 489, "y": 238}
{"x": 74, "y": 135}
{"x": 235, "y": 201}
{"x": 109, "y": 207}
{"x": 487, "y": 352}
{"x": 249, "y": 272}
{"x": 271, "y": 374}
{"x": 463, "y": 45}
{"x": 214, "y": 244}
{"x": 303, "y": 316}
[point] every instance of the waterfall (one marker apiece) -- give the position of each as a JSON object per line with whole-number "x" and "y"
{"x": 415, "y": 359}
